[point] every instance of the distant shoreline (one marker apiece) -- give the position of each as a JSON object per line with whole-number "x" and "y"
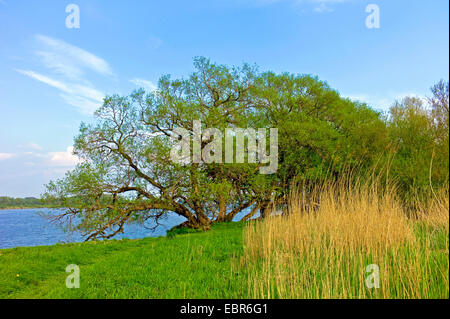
{"x": 28, "y": 207}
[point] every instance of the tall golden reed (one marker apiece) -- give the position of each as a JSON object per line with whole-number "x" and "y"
{"x": 329, "y": 236}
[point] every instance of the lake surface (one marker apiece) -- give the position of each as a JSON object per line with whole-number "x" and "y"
{"x": 26, "y": 227}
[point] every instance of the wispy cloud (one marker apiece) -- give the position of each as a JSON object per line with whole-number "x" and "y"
{"x": 322, "y": 6}
{"x": 34, "y": 146}
{"x": 68, "y": 59}
{"x": 58, "y": 64}
{"x": 25, "y": 172}
{"x": 6, "y": 156}
{"x": 69, "y": 66}
{"x": 383, "y": 103}
{"x": 63, "y": 159}
{"x": 86, "y": 99}
{"x": 38, "y": 157}
{"x": 44, "y": 79}
{"x": 318, "y": 6}
{"x": 145, "y": 84}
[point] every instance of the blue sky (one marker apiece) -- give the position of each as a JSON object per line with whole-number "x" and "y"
{"x": 53, "y": 77}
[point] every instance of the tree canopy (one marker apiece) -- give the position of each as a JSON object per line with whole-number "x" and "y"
{"x": 127, "y": 174}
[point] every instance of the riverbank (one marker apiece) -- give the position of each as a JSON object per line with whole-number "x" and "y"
{"x": 194, "y": 265}
{"x": 29, "y": 207}
{"x": 26, "y": 203}
{"x": 212, "y": 264}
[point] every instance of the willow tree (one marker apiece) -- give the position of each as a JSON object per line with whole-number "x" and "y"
{"x": 127, "y": 173}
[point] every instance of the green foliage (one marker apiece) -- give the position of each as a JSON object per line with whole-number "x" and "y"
{"x": 321, "y": 134}
{"x": 27, "y": 202}
{"x": 127, "y": 155}
{"x": 127, "y": 173}
{"x": 179, "y": 230}
{"x": 420, "y": 138}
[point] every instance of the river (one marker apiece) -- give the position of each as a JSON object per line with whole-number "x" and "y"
{"x": 27, "y": 227}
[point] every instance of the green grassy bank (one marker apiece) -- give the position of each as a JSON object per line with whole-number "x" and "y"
{"x": 196, "y": 265}
{"x": 193, "y": 265}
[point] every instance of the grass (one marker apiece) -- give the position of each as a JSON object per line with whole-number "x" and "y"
{"x": 197, "y": 265}
{"x": 315, "y": 252}
{"x": 323, "y": 251}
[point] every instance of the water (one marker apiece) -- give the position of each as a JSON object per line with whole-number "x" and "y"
{"x": 25, "y": 227}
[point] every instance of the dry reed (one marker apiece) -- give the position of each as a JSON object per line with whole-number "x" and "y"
{"x": 329, "y": 235}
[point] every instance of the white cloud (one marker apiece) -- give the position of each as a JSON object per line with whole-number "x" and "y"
{"x": 34, "y": 146}
{"x": 86, "y": 92}
{"x": 6, "y": 156}
{"x": 58, "y": 64}
{"x": 36, "y": 156}
{"x": 319, "y": 6}
{"x": 86, "y": 99}
{"x": 66, "y": 158}
{"x": 68, "y": 59}
{"x": 383, "y": 102}
{"x": 322, "y": 7}
{"x": 44, "y": 79}
{"x": 86, "y": 106}
{"x": 68, "y": 66}
{"x": 29, "y": 170}
{"x": 375, "y": 102}
{"x": 145, "y": 84}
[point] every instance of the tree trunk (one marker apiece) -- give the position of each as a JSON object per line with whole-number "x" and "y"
{"x": 264, "y": 210}
{"x": 252, "y": 212}
{"x": 194, "y": 220}
{"x": 222, "y": 209}
{"x": 201, "y": 222}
